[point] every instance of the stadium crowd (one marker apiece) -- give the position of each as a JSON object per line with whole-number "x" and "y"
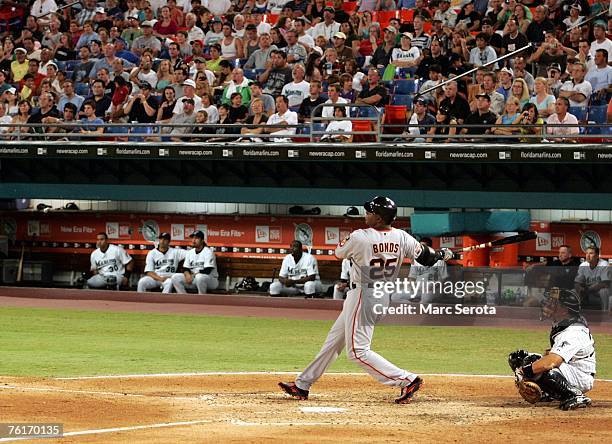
{"x": 257, "y": 68}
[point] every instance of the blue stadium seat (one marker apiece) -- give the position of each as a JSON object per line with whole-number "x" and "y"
{"x": 402, "y": 99}
{"x": 579, "y": 111}
{"x": 250, "y": 74}
{"x": 367, "y": 112}
{"x": 405, "y": 87}
{"x": 82, "y": 89}
{"x": 599, "y": 115}
{"x": 71, "y": 64}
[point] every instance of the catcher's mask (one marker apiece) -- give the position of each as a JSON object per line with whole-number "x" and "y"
{"x": 556, "y": 297}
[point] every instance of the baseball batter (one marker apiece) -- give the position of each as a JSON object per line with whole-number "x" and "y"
{"x": 299, "y": 274}
{"x": 567, "y": 369}
{"x": 200, "y": 267}
{"x": 342, "y": 287}
{"x": 110, "y": 264}
{"x": 376, "y": 254}
{"x": 161, "y": 263}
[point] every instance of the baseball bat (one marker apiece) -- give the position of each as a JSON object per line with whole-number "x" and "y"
{"x": 20, "y": 266}
{"x": 521, "y": 237}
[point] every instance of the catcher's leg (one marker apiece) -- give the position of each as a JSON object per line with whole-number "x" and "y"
{"x": 558, "y": 387}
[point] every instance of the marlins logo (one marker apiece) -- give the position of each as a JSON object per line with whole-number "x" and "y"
{"x": 589, "y": 239}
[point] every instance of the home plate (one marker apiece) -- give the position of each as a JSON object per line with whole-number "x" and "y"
{"x": 322, "y": 409}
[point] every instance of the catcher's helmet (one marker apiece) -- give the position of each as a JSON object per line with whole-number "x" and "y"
{"x": 560, "y": 296}
{"x": 383, "y": 206}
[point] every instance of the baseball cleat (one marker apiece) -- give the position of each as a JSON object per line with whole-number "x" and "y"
{"x": 577, "y": 402}
{"x": 409, "y": 391}
{"x": 294, "y": 391}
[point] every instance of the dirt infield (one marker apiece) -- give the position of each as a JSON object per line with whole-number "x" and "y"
{"x": 250, "y": 408}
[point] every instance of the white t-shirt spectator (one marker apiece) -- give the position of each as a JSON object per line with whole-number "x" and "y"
{"x": 290, "y": 117}
{"x": 405, "y": 55}
{"x": 296, "y": 92}
{"x": 328, "y": 111}
{"x": 43, "y": 7}
{"x": 599, "y": 78}
{"x": 606, "y": 44}
{"x": 583, "y": 88}
{"x": 336, "y": 126}
{"x": 213, "y": 114}
{"x": 217, "y": 7}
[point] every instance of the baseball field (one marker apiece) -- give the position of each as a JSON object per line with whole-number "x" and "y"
{"x": 138, "y": 372}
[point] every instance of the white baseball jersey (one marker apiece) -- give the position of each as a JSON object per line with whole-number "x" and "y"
{"x": 345, "y": 273}
{"x": 164, "y": 264}
{"x": 196, "y": 262}
{"x": 587, "y": 275}
{"x": 306, "y": 266}
{"x": 577, "y": 348}
{"x": 379, "y": 253}
{"x": 110, "y": 262}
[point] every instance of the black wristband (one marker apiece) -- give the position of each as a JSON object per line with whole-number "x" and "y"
{"x": 528, "y": 371}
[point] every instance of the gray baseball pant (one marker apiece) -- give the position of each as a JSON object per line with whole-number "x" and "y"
{"x": 203, "y": 282}
{"x": 147, "y": 283}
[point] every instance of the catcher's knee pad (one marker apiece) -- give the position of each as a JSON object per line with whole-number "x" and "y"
{"x": 557, "y": 386}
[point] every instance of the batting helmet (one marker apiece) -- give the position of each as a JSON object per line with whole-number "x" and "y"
{"x": 560, "y": 296}
{"x": 383, "y": 206}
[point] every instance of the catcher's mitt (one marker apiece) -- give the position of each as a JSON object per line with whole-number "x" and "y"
{"x": 529, "y": 391}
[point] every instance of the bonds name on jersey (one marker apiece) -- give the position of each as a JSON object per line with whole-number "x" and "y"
{"x": 377, "y": 254}
{"x": 196, "y": 262}
{"x": 110, "y": 262}
{"x": 306, "y": 266}
{"x": 576, "y": 346}
{"x": 164, "y": 263}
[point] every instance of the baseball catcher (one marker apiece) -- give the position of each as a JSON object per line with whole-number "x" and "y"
{"x": 567, "y": 369}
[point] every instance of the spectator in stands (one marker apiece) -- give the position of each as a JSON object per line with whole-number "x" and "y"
{"x": 554, "y": 79}
{"x": 238, "y": 112}
{"x": 562, "y": 117}
{"x": 600, "y": 78}
{"x": 513, "y": 37}
{"x": 539, "y": 26}
{"x": 69, "y": 96}
{"x": 328, "y": 27}
{"x": 344, "y": 52}
{"x": 87, "y": 36}
{"x": 482, "y": 116}
{"x": 268, "y": 100}
{"x": 107, "y": 61}
{"x": 203, "y": 131}
{"x": 550, "y": 51}
{"x": 224, "y": 126}
{"x": 510, "y": 115}
{"x": 215, "y": 33}
{"x": 584, "y": 54}
{"x": 102, "y": 102}
{"x": 146, "y": 41}
{"x": 333, "y": 93}
{"x": 277, "y": 123}
{"x": 577, "y": 90}
{"x": 311, "y": 102}
{"x": 406, "y": 56}
{"x": 543, "y": 99}
{"x": 22, "y": 116}
{"x": 489, "y": 83}
{"x": 446, "y": 14}
{"x": 189, "y": 92}
{"x": 295, "y": 52}
{"x": 435, "y": 57}
{"x": 446, "y": 125}
{"x": 382, "y": 53}
{"x": 164, "y": 112}
{"x": 250, "y": 42}
{"x": 143, "y": 73}
{"x": 374, "y": 93}
{"x": 297, "y": 90}
{"x": 341, "y": 124}
{"x": 304, "y": 38}
{"x": 495, "y": 40}
{"x": 132, "y": 31}
{"x": 260, "y": 57}
{"x": 142, "y": 107}
{"x": 91, "y": 124}
{"x": 68, "y": 118}
{"x": 82, "y": 70}
{"x": 347, "y": 91}
{"x": 521, "y": 92}
{"x": 456, "y": 105}
{"x": 601, "y": 41}
{"x": 185, "y": 116}
{"x": 210, "y": 108}
{"x": 505, "y": 77}
{"x": 4, "y": 118}
{"x": 299, "y": 274}
{"x": 593, "y": 279}
{"x": 231, "y": 46}
{"x": 164, "y": 75}
{"x": 521, "y": 73}
{"x": 277, "y": 74}
{"x": 482, "y": 53}
{"x": 420, "y": 38}
{"x": 165, "y": 25}
{"x": 420, "y": 122}
{"x": 529, "y": 116}
{"x": 239, "y": 84}
{"x": 468, "y": 18}
{"x": 9, "y": 97}
{"x": 258, "y": 117}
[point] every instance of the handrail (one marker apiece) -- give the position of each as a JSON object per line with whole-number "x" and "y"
{"x": 374, "y": 132}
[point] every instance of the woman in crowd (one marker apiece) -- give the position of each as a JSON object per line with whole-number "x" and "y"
{"x": 238, "y": 112}
{"x": 25, "y": 109}
{"x": 348, "y": 30}
{"x": 520, "y": 15}
{"x": 347, "y": 92}
{"x": 510, "y": 115}
{"x": 529, "y": 116}
{"x": 543, "y": 99}
{"x": 203, "y": 131}
{"x": 165, "y": 75}
{"x": 446, "y": 125}
{"x": 520, "y": 90}
{"x": 210, "y": 108}
{"x": 11, "y": 100}
{"x": 164, "y": 112}
{"x": 202, "y": 85}
{"x": 6, "y": 54}
{"x": 215, "y": 35}
{"x": 257, "y": 118}
{"x": 313, "y": 67}
{"x": 315, "y": 11}
{"x": 64, "y": 50}
{"x": 342, "y": 124}
{"x": 165, "y": 26}
{"x": 277, "y": 38}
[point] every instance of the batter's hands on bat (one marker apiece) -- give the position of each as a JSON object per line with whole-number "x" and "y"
{"x": 447, "y": 254}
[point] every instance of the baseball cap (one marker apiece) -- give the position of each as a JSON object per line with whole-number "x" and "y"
{"x": 216, "y": 20}
{"x": 52, "y": 64}
{"x": 486, "y": 22}
{"x": 390, "y": 29}
{"x": 216, "y": 46}
{"x": 329, "y": 9}
{"x": 165, "y": 235}
{"x": 507, "y": 70}
{"x": 12, "y": 90}
{"x": 100, "y": 10}
{"x": 199, "y": 42}
{"x": 485, "y": 95}
{"x": 576, "y": 6}
{"x": 422, "y": 100}
{"x": 188, "y": 100}
{"x": 198, "y": 234}
{"x": 189, "y": 82}
{"x": 145, "y": 85}
{"x": 601, "y": 25}
{"x": 199, "y": 59}
{"x": 454, "y": 57}
{"x": 340, "y": 35}
{"x": 250, "y": 27}
{"x": 132, "y": 17}
{"x": 407, "y": 34}
{"x": 98, "y": 42}
{"x": 146, "y": 23}
{"x": 120, "y": 40}
{"x": 21, "y": 50}
{"x": 554, "y": 66}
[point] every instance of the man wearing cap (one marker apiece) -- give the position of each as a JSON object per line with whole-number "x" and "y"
{"x": 601, "y": 41}
{"x": 382, "y": 54}
{"x": 161, "y": 263}
{"x": 101, "y": 20}
{"x": 19, "y": 66}
{"x": 406, "y": 56}
{"x": 574, "y": 18}
{"x": 344, "y": 52}
{"x": 420, "y": 121}
{"x": 189, "y": 93}
{"x": 122, "y": 52}
{"x": 446, "y": 14}
{"x": 482, "y": 116}
{"x": 141, "y": 107}
{"x": 132, "y": 31}
{"x": 258, "y": 59}
{"x": 147, "y": 40}
{"x": 328, "y": 27}
{"x": 200, "y": 267}
{"x": 186, "y": 116}
{"x": 505, "y": 77}
{"x": 554, "y": 79}
{"x": 296, "y": 53}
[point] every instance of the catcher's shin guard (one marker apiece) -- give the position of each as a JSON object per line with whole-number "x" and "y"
{"x": 554, "y": 383}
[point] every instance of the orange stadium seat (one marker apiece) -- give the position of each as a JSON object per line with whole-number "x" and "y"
{"x": 363, "y": 125}
{"x": 383, "y": 17}
{"x": 271, "y": 18}
{"x": 407, "y": 15}
{"x": 350, "y": 7}
{"x": 395, "y": 115}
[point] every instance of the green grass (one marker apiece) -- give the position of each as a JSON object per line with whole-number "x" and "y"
{"x": 41, "y": 342}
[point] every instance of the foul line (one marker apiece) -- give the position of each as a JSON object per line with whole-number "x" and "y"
{"x": 120, "y": 429}
{"x": 169, "y": 375}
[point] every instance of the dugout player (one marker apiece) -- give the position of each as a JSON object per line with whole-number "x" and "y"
{"x": 593, "y": 278}
{"x": 376, "y": 254}
{"x": 341, "y": 288}
{"x": 161, "y": 263}
{"x": 200, "y": 267}
{"x": 567, "y": 369}
{"x": 299, "y": 274}
{"x": 111, "y": 265}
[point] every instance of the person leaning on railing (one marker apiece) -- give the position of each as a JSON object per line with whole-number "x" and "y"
{"x": 342, "y": 124}
{"x": 446, "y": 125}
{"x": 563, "y": 117}
{"x": 530, "y": 116}
{"x": 69, "y": 114}
{"x": 511, "y": 113}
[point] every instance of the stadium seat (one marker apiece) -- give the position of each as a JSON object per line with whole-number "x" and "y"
{"x": 82, "y": 89}
{"x": 395, "y": 115}
{"x": 383, "y": 17}
{"x": 405, "y": 87}
{"x": 250, "y": 74}
{"x": 407, "y": 15}
{"x": 363, "y": 125}
{"x": 71, "y": 64}
{"x": 350, "y": 7}
{"x": 580, "y": 112}
{"x": 402, "y": 99}
{"x": 598, "y": 115}
{"x": 271, "y": 19}
{"x": 367, "y": 112}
